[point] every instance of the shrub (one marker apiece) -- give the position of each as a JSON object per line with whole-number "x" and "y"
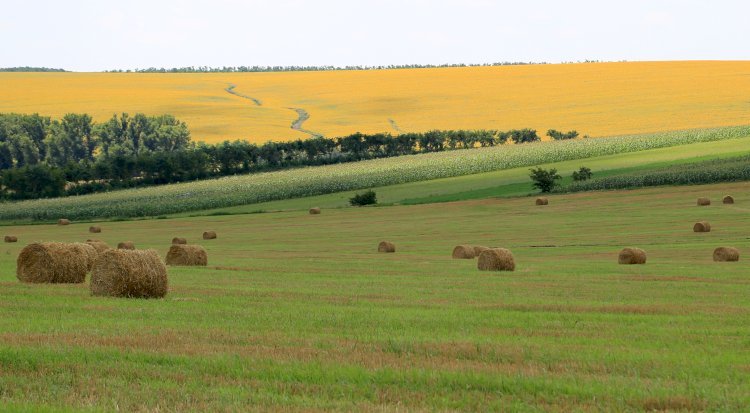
{"x": 544, "y": 180}
{"x": 558, "y": 136}
{"x": 367, "y": 198}
{"x": 582, "y": 174}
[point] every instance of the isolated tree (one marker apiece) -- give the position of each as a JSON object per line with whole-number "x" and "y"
{"x": 544, "y": 180}
{"x": 582, "y": 174}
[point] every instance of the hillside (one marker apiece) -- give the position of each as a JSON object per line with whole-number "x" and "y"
{"x": 598, "y": 99}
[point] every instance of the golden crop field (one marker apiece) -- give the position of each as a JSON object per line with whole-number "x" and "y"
{"x": 597, "y": 99}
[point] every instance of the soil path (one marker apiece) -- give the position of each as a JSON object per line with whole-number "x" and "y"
{"x": 231, "y": 90}
{"x": 302, "y": 116}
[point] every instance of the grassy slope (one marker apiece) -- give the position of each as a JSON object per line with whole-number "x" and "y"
{"x": 299, "y": 311}
{"x": 509, "y": 182}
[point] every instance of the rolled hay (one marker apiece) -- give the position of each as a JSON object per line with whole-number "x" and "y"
{"x": 99, "y": 246}
{"x": 726, "y": 254}
{"x": 702, "y": 226}
{"x": 63, "y": 221}
{"x": 126, "y": 245}
{"x": 129, "y": 273}
{"x": 632, "y": 256}
{"x": 177, "y": 240}
{"x": 542, "y": 201}
{"x": 11, "y": 238}
{"x": 95, "y": 230}
{"x": 209, "y": 235}
{"x": 496, "y": 259}
{"x": 478, "y": 249}
{"x": 186, "y": 255}
{"x": 728, "y": 199}
{"x": 464, "y": 252}
{"x": 386, "y": 246}
{"x": 54, "y": 262}
{"x": 314, "y": 211}
{"x": 704, "y": 201}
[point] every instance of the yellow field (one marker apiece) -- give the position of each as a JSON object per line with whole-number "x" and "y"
{"x": 597, "y": 99}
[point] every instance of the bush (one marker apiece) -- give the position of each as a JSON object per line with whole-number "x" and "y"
{"x": 367, "y": 198}
{"x": 582, "y": 174}
{"x": 557, "y": 135}
{"x": 544, "y": 180}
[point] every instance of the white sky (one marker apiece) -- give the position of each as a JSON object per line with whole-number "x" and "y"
{"x": 93, "y": 35}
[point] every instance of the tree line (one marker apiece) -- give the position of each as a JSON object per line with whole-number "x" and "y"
{"x": 30, "y": 69}
{"x": 43, "y": 157}
{"x": 242, "y": 69}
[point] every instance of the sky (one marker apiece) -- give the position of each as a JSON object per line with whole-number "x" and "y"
{"x": 84, "y": 35}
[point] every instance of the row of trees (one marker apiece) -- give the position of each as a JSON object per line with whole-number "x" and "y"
{"x": 41, "y": 157}
{"x": 240, "y": 69}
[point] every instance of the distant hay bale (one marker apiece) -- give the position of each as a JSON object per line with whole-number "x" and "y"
{"x": 386, "y": 246}
{"x": 463, "y": 252}
{"x": 54, "y": 262}
{"x": 11, "y": 238}
{"x": 632, "y": 256}
{"x": 478, "y": 249}
{"x": 314, "y": 211}
{"x": 209, "y": 235}
{"x": 99, "y": 246}
{"x": 728, "y": 199}
{"x": 726, "y": 254}
{"x": 186, "y": 255}
{"x": 129, "y": 273}
{"x": 702, "y": 226}
{"x": 542, "y": 201}
{"x": 496, "y": 259}
{"x": 704, "y": 201}
{"x": 177, "y": 240}
{"x": 126, "y": 245}
{"x": 95, "y": 230}
{"x": 63, "y": 221}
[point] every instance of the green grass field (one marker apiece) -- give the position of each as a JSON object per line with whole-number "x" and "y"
{"x": 299, "y": 312}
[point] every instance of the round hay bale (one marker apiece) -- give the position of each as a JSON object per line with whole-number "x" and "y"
{"x": 496, "y": 259}
{"x": 186, "y": 255}
{"x": 386, "y": 246}
{"x": 88, "y": 251}
{"x": 632, "y": 256}
{"x": 11, "y": 238}
{"x": 728, "y": 199}
{"x": 126, "y": 245}
{"x": 95, "y": 230}
{"x": 542, "y": 201}
{"x": 54, "y": 262}
{"x": 63, "y": 221}
{"x": 177, "y": 240}
{"x": 128, "y": 273}
{"x": 702, "y": 226}
{"x": 463, "y": 252}
{"x": 99, "y": 246}
{"x": 314, "y": 211}
{"x": 209, "y": 235}
{"x": 704, "y": 201}
{"x": 478, "y": 249}
{"x": 722, "y": 254}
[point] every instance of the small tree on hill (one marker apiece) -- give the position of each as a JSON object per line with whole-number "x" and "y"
{"x": 367, "y": 198}
{"x": 582, "y": 174}
{"x": 544, "y": 180}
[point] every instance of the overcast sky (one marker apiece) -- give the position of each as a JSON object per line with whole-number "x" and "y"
{"x": 95, "y": 35}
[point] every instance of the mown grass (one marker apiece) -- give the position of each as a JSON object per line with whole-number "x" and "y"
{"x": 298, "y": 312}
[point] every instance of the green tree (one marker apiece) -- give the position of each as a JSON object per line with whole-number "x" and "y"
{"x": 544, "y": 180}
{"x": 582, "y": 174}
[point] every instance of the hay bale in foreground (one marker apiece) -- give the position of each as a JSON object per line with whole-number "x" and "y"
{"x": 463, "y": 252}
{"x": 728, "y": 200}
{"x": 63, "y": 221}
{"x": 209, "y": 235}
{"x": 314, "y": 211}
{"x": 704, "y": 201}
{"x": 722, "y": 254}
{"x": 126, "y": 245}
{"x": 126, "y": 273}
{"x": 186, "y": 255}
{"x": 11, "y": 238}
{"x": 99, "y": 246}
{"x": 702, "y": 226}
{"x": 54, "y": 262}
{"x": 496, "y": 259}
{"x": 177, "y": 240}
{"x": 386, "y": 246}
{"x": 95, "y": 230}
{"x": 478, "y": 250}
{"x": 542, "y": 201}
{"x": 632, "y": 256}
